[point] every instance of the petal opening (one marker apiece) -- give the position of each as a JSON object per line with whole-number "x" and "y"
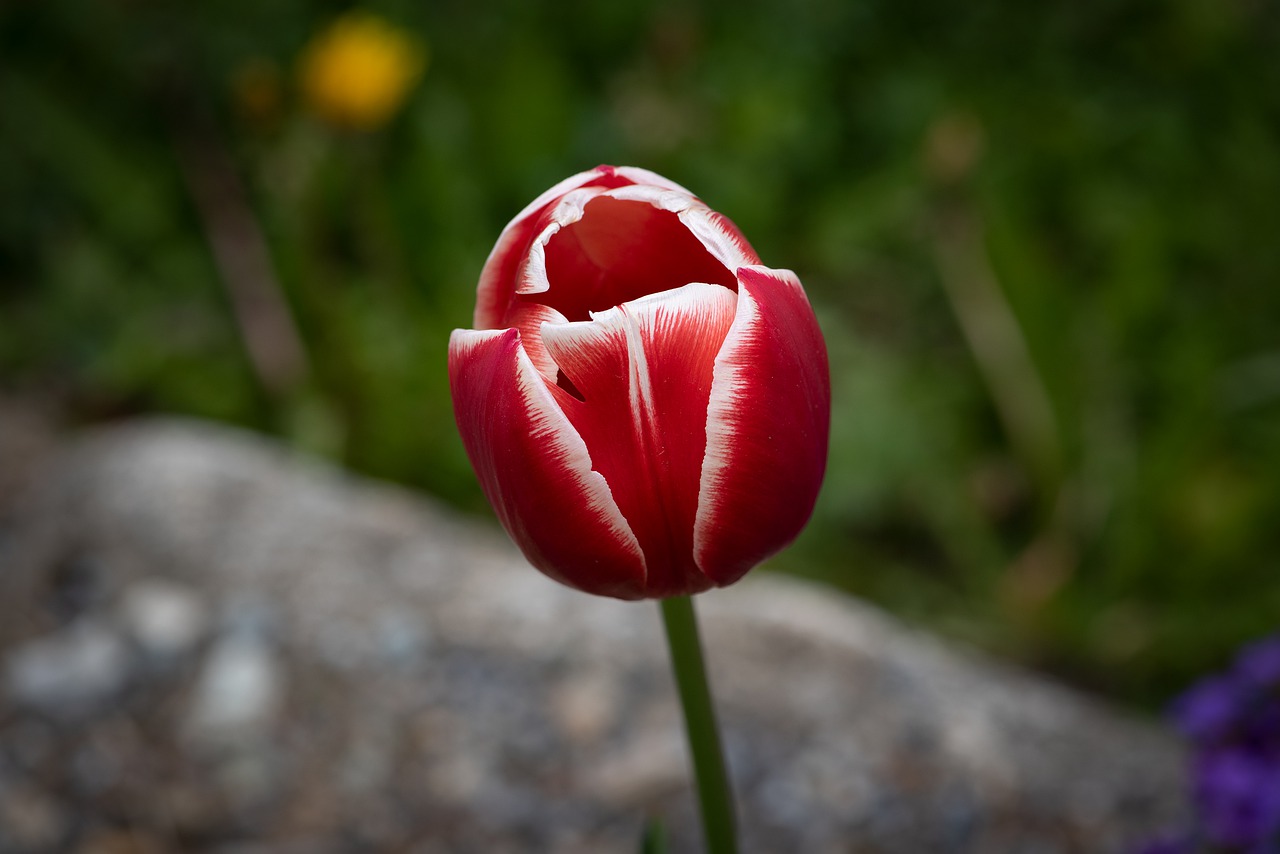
{"x": 616, "y": 251}
{"x": 499, "y": 276}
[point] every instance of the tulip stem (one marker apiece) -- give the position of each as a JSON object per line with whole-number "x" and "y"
{"x": 714, "y": 794}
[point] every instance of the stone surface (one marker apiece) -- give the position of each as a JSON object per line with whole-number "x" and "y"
{"x": 238, "y": 691}
{"x": 165, "y": 619}
{"x": 316, "y": 663}
{"x": 69, "y": 673}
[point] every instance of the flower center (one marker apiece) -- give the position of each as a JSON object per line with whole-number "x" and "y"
{"x": 621, "y": 250}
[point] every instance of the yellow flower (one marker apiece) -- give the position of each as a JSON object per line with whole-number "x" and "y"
{"x": 357, "y": 72}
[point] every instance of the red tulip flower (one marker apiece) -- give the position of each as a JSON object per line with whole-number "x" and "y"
{"x": 645, "y": 404}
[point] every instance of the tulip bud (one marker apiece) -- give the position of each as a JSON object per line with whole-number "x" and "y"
{"x": 646, "y": 406}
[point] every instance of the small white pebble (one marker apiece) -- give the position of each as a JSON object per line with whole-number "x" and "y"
{"x": 165, "y": 618}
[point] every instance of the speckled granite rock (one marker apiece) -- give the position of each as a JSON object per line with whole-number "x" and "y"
{"x": 286, "y": 658}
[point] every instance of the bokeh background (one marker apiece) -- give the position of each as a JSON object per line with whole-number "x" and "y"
{"x": 1043, "y": 240}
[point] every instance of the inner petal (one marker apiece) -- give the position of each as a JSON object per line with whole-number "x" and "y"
{"x": 621, "y": 250}
{"x": 528, "y": 317}
{"x": 643, "y": 371}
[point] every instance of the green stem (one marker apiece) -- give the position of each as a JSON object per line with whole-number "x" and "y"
{"x": 714, "y": 795}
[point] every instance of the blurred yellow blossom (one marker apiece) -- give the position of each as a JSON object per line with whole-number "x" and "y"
{"x": 357, "y": 72}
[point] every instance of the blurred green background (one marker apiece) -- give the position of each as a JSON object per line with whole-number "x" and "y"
{"x": 1043, "y": 240}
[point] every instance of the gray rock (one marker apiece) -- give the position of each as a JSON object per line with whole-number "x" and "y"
{"x": 70, "y": 672}
{"x": 30, "y": 820}
{"x": 239, "y": 690}
{"x": 165, "y": 618}
{"x": 409, "y": 683}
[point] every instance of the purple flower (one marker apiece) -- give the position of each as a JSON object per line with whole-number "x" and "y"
{"x": 1238, "y": 796}
{"x": 1208, "y": 711}
{"x": 1260, "y": 731}
{"x": 1168, "y": 845}
{"x": 1233, "y": 722}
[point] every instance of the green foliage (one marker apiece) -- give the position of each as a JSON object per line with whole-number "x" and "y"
{"x": 1090, "y": 487}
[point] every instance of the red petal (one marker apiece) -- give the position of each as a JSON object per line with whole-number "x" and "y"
{"x": 535, "y": 468}
{"x": 767, "y": 427}
{"x": 644, "y": 370}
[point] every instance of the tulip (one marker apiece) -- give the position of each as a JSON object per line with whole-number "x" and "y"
{"x": 645, "y": 404}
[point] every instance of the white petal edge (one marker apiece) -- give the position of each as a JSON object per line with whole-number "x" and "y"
{"x": 644, "y": 176}
{"x": 727, "y": 379}
{"x": 533, "y": 275}
{"x": 724, "y": 247}
{"x": 533, "y": 345}
{"x": 548, "y": 423}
